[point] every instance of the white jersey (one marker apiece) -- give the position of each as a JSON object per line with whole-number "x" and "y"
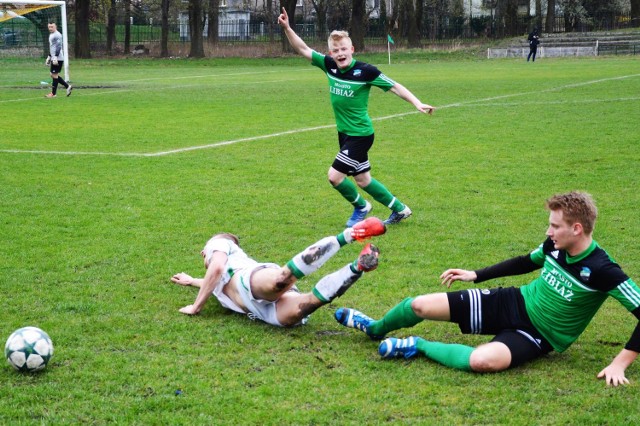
{"x": 237, "y": 261}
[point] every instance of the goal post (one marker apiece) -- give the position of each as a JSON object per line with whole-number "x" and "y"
{"x": 17, "y": 9}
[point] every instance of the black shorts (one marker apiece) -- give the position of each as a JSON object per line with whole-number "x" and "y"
{"x": 55, "y": 69}
{"x": 502, "y": 312}
{"x": 353, "y": 157}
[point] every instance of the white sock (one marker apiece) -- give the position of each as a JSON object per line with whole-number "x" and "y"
{"x": 314, "y": 256}
{"x": 346, "y": 234}
{"x": 335, "y": 284}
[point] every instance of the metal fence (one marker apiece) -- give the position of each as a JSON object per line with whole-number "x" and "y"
{"x": 19, "y": 34}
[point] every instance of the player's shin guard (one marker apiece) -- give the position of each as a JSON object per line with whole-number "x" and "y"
{"x": 313, "y": 257}
{"x": 335, "y": 284}
{"x": 448, "y": 354}
{"x": 400, "y": 316}
{"x": 382, "y": 195}
{"x": 349, "y": 192}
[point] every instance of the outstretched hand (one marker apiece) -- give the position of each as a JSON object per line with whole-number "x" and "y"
{"x": 425, "y": 108}
{"x": 613, "y": 375}
{"x": 449, "y": 276}
{"x": 182, "y": 279}
{"x": 189, "y": 310}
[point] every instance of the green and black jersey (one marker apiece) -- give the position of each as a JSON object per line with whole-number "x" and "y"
{"x": 569, "y": 291}
{"x": 349, "y": 92}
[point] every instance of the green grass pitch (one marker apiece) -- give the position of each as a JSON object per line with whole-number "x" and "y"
{"x": 106, "y": 194}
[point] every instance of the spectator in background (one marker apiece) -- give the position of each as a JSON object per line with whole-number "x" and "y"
{"x": 534, "y": 40}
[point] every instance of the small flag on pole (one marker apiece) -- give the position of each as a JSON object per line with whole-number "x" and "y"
{"x": 390, "y": 39}
{"x": 389, "y": 43}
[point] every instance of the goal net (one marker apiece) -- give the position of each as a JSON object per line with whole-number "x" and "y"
{"x": 24, "y": 32}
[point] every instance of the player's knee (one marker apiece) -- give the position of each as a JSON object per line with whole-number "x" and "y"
{"x": 487, "y": 361}
{"x": 334, "y": 180}
{"x": 284, "y": 279}
{"x": 426, "y": 306}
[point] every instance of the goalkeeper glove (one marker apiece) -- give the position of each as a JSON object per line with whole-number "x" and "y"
{"x": 47, "y": 62}
{"x": 54, "y": 60}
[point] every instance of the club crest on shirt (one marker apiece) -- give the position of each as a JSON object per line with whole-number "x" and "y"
{"x": 357, "y": 73}
{"x": 333, "y": 70}
{"x": 555, "y": 254}
{"x": 585, "y": 274}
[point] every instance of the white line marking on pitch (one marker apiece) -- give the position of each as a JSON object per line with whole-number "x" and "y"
{"x": 310, "y": 129}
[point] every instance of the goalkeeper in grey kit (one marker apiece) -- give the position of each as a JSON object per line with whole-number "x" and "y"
{"x": 55, "y": 61}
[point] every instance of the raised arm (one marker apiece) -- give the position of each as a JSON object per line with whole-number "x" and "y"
{"x": 296, "y": 42}
{"x": 405, "y": 94}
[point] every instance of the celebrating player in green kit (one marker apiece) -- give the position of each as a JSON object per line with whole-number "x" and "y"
{"x": 349, "y": 84}
{"x": 546, "y": 315}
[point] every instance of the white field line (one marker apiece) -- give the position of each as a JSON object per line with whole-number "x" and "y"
{"x": 476, "y": 102}
{"x": 143, "y": 89}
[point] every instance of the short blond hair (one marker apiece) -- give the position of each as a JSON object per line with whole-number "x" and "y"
{"x": 576, "y": 207}
{"x": 336, "y": 36}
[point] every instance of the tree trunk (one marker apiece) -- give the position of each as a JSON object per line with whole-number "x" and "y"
{"x": 383, "y": 17}
{"x": 81, "y": 45}
{"x": 212, "y": 31}
{"x": 551, "y": 16}
{"x": 511, "y": 18}
{"x": 290, "y": 7}
{"x": 538, "y": 19}
{"x": 357, "y": 27}
{"x": 419, "y": 19}
{"x": 408, "y": 14}
{"x": 164, "y": 29}
{"x": 635, "y": 13}
{"x": 111, "y": 27}
{"x": 196, "y": 27}
{"x": 127, "y": 27}
{"x": 320, "y": 6}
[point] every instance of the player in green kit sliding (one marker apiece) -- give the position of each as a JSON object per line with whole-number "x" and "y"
{"x": 349, "y": 84}
{"x": 545, "y": 315}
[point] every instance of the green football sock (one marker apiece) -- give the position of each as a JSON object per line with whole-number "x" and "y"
{"x": 349, "y": 191}
{"x": 400, "y": 316}
{"x": 383, "y": 196}
{"x": 448, "y": 354}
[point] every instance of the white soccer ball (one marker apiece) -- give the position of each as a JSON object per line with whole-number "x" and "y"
{"x": 28, "y": 349}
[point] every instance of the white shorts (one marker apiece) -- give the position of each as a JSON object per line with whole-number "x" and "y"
{"x": 261, "y": 309}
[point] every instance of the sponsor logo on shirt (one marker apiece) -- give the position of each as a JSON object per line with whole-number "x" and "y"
{"x": 342, "y": 90}
{"x": 559, "y": 283}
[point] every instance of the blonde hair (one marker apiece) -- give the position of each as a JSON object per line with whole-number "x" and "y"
{"x": 576, "y": 207}
{"x": 228, "y": 236}
{"x": 336, "y": 36}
